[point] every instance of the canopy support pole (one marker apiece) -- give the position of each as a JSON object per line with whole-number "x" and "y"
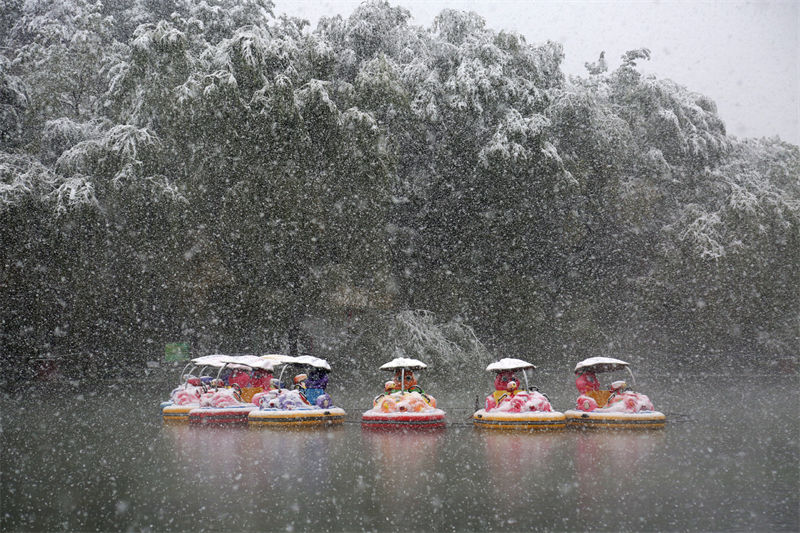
{"x": 633, "y": 380}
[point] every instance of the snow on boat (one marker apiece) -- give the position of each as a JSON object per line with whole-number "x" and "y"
{"x": 403, "y": 404}
{"x": 220, "y": 400}
{"x": 510, "y": 407}
{"x": 307, "y": 404}
{"x": 195, "y": 383}
{"x": 227, "y": 403}
{"x": 617, "y": 407}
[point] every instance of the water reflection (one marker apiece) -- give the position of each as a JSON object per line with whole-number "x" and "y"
{"x": 405, "y": 461}
{"x": 217, "y": 449}
{"x": 615, "y": 449}
{"x": 608, "y": 461}
{"x": 514, "y": 452}
{"x": 259, "y": 457}
{"x": 101, "y": 462}
{"x": 519, "y": 473}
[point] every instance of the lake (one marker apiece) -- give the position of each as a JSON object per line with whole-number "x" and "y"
{"x": 99, "y": 458}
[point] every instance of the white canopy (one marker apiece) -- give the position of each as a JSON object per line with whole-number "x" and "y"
{"x": 310, "y": 360}
{"x": 278, "y": 358}
{"x": 601, "y": 364}
{"x": 247, "y": 361}
{"x": 263, "y": 364}
{"x": 508, "y": 363}
{"x": 403, "y": 362}
{"x": 210, "y": 360}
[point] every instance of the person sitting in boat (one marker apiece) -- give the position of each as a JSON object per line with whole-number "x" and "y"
{"x": 315, "y": 383}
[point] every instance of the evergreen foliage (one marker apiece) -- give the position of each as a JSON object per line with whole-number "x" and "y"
{"x": 208, "y": 172}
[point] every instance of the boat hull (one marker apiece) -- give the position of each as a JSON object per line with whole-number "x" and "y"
{"x": 434, "y": 419}
{"x": 531, "y": 420}
{"x": 296, "y": 417}
{"x": 599, "y": 419}
{"x": 220, "y": 416}
{"x": 176, "y": 414}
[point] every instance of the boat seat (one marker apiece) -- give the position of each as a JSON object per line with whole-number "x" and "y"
{"x": 248, "y": 393}
{"x": 600, "y": 396}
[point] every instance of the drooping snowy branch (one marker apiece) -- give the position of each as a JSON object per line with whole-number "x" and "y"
{"x": 418, "y": 333}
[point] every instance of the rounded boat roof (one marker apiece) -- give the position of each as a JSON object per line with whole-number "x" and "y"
{"x": 508, "y": 363}
{"x": 601, "y": 364}
{"x": 309, "y": 360}
{"x": 278, "y": 358}
{"x": 404, "y": 362}
{"x": 252, "y": 361}
{"x": 246, "y": 361}
{"x": 210, "y": 360}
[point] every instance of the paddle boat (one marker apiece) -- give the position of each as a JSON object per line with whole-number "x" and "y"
{"x": 226, "y": 401}
{"x": 220, "y": 400}
{"x": 617, "y": 407}
{"x": 194, "y": 383}
{"x": 403, "y": 404}
{"x": 305, "y": 404}
{"x": 510, "y": 407}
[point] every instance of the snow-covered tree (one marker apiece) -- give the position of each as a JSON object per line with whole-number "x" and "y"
{"x": 231, "y": 175}
{"x": 13, "y": 106}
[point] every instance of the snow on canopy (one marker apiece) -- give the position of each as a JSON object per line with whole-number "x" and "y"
{"x": 220, "y": 360}
{"x": 404, "y": 362}
{"x": 310, "y": 360}
{"x": 601, "y": 364}
{"x": 509, "y": 363}
{"x": 252, "y": 361}
{"x": 210, "y": 360}
{"x": 278, "y": 358}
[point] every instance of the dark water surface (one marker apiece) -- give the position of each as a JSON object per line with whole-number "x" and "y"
{"x": 78, "y": 460}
